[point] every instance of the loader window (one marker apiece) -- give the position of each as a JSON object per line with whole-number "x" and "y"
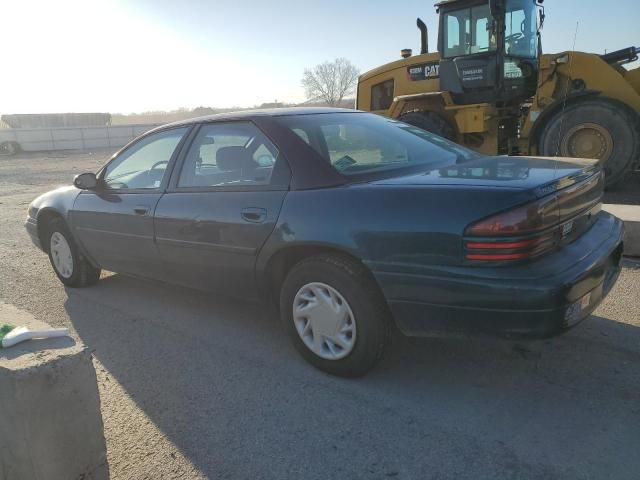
{"x": 453, "y": 48}
{"x": 520, "y": 36}
{"x": 382, "y": 95}
{"x": 469, "y": 31}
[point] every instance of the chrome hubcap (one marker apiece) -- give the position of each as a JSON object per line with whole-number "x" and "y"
{"x": 324, "y": 321}
{"x": 61, "y": 255}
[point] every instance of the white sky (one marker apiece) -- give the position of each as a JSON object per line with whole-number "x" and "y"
{"x": 140, "y": 55}
{"x": 86, "y": 55}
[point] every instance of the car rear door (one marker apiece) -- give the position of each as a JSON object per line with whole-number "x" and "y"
{"x": 221, "y": 206}
{"x": 114, "y": 222}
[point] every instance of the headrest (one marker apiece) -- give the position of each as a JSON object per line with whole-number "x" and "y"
{"x": 234, "y": 158}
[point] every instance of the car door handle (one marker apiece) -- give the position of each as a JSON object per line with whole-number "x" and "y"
{"x": 141, "y": 210}
{"x": 254, "y": 215}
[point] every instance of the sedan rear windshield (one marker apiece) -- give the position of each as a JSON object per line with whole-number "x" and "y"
{"x": 363, "y": 143}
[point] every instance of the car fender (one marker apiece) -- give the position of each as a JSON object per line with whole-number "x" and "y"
{"x": 294, "y": 231}
{"x": 59, "y": 202}
{"x": 397, "y": 228}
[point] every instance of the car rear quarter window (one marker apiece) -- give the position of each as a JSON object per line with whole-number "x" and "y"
{"x": 229, "y": 154}
{"x": 362, "y": 143}
{"x": 354, "y": 145}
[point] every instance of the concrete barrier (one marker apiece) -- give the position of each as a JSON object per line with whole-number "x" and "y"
{"x": 630, "y": 215}
{"x": 71, "y": 138}
{"x": 50, "y": 422}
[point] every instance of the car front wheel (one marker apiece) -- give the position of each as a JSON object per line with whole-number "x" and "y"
{"x": 71, "y": 268}
{"x": 335, "y": 314}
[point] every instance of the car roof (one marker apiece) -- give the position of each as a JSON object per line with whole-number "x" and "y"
{"x": 263, "y": 112}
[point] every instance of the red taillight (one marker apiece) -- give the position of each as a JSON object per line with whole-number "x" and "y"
{"x": 497, "y": 242}
{"x": 522, "y": 220}
{"x": 494, "y": 257}
{"x": 502, "y": 244}
{"x": 502, "y": 249}
{"x": 533, "y": 229}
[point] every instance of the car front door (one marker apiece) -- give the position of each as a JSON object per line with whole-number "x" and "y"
{"x": 114, "y": 222}
{"x": 220, "y": 208}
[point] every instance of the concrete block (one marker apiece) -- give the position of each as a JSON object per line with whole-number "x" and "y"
{"x": 630, "y": 215}
{"x": 50, "y": 422}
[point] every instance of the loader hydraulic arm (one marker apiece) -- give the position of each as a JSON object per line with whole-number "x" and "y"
{"x": 621, "y": 57}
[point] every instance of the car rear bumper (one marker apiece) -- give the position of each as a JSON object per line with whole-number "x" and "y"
{"x": 539, "y": 299}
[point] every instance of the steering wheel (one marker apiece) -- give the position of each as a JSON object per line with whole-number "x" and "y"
{"x": 514, "y": 36}
{"x": 157, "y": 164}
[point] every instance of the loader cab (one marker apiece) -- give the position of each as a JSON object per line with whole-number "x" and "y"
{"x": 489, "y": 50}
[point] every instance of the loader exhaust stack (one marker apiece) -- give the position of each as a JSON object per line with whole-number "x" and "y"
{"x": 424, "y": 39}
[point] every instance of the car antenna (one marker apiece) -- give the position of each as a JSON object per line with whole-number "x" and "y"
{"x": 566, "y": 93}
{"x": 564, "y": 103}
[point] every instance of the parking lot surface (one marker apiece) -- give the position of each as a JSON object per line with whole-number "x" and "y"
{"x": 197, "y": 386}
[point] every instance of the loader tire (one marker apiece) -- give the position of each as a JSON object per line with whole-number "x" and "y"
{"x": 431, "y": 122}
{"x": 598, "y": 128}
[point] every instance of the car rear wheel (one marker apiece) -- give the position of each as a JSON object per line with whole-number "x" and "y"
{"x": 335, "y": 315}
{"x": 69, "y": 265}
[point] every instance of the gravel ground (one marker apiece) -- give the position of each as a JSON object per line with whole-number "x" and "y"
{"x": 195, "y": 386}
{"x": 626, "y": 192}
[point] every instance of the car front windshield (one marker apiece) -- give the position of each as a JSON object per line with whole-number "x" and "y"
{"x": 362, "y": 144}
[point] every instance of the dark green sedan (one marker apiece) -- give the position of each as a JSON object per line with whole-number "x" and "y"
{"x": 349, "y": 223}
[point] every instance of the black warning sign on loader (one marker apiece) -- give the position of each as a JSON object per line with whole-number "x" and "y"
{"x": 425, "y": 71}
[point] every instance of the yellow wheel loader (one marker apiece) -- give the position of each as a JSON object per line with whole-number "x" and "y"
{"x": 490, "y": 88}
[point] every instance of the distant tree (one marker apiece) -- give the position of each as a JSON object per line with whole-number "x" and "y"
{"x": 330, "y": 81}
{"x": 202, "y": 111}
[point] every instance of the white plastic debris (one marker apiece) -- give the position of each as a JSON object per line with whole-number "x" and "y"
{"x": 21, "y": 334}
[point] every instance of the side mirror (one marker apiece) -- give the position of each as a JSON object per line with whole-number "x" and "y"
{"x": 85, "y": 181}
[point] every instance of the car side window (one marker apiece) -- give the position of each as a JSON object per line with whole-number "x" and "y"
{"x": 229, "y": 154}
{"x": 352, "y": 147}
{"x": 144, "y": 164}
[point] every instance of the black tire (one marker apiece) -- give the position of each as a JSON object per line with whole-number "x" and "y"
{"x": 615, "y": 119}
{"x": 431, "y": 122}
{"x": 370, "y": 311}
{"x": 9, "y": 148}
{"x": 83, "y": 273}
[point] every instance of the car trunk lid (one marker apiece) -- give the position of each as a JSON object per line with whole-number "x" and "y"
{"x": 565, "y": 197}
{"x": 540, "y": 175}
